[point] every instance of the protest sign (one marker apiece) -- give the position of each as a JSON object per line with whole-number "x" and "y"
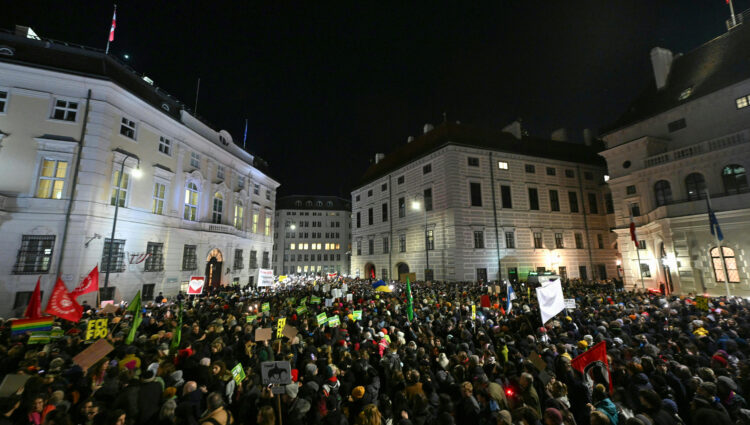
{"x": 322, "y": 319}
{"x": 265, "y": 277}
{"x": 290, "y": 331}
{"x": 263, "y": 334}
{"x": 357, "y": 314}
{"x": 266, "y": 307}
{"x": 238, "y": 373}
{"x": 93, "y": 354}
{"x": 280, "y": 327}
{"x": 251, "y": 318}
{"x": 333, "y": 321}
{"x": 96, "y": 329}
{"x": 195, "y": 287}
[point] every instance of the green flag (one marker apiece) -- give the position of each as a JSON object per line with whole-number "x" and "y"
{"x": 177, "y": 335}
{"x": 410, "y": 308}
{"x": 134, "y": 307}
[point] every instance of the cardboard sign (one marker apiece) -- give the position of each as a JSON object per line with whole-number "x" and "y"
{"x": 238, "y": 373}
{"x": 93, "y": 354}
{"x": 701, "y": 303}
{"x": 334, "y": 321}
{"x": 278, "y": 373}
{"x": 290, "y": 331}
{"x": 96, "y": 329}
{"x": 537, "y": 361}
{"x": 265, "y": 277}
{"x": 280, "y": 327}
{"x": 357, "y": 314}
{"x": 322, "y": 319}
{"x": 265, "y": 307}
{"x": 570, "y": 303}
{"x": 263, "y": 334}
{"x": 109, "y": 309}
{"x": 12, "y": 383}
{"x": 195, "y": 287}
{"x": 252, "y": 318}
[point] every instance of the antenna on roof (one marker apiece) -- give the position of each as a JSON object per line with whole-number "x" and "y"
{"x": 197, "y": 90}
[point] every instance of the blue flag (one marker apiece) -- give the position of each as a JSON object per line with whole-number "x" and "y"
{"x": 714, "y": 223}
{"x": 511, "y": 296}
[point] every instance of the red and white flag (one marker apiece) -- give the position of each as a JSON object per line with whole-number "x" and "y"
{"x": 595, "y": 357}
{"x": 89, "y": 284}
{"x": 112, "y": 30}
{"x": 62, "y": 304}
{"x": 34, "y": 309}
{"x": 632, "y": 229}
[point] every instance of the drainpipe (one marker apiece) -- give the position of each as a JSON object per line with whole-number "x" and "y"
{"x": 73, "y": 186}
{"x": 585, "y": 221}
{"x": 494, "y": 212}
{"x": 390, "y": 218}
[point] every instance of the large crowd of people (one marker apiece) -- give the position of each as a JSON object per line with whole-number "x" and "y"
{"x": 670, "y": 361}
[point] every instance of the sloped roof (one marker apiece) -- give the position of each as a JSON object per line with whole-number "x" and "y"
{"x": 717, "y": 64}
{"x": 449, "y": 133}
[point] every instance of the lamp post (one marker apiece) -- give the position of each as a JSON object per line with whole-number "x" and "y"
{"x": 415, "y": 206}
{"x": 136, "y": 174}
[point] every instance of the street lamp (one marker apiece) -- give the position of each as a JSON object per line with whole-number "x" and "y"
{"x": 136, "y": 174}
{"x": 415, "y": 205}
{"x": 283, "y": 253}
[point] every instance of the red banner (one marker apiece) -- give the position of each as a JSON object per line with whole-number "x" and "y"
{"x": 89, "y": 284}
{"x": 596, "y": 356}
{"x": 62, "y": 304}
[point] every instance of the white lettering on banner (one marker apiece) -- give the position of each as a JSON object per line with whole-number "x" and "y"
{"x": 265, "y": 277}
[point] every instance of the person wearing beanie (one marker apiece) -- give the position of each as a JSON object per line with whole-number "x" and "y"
{"x": 357, "y": 403}
{"x": 552, "y": 416}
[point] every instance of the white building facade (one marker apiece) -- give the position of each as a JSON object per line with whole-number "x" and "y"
{"x": 457, "y": 204}
{"x": 70, "y": 120}
{"x": 687, "y": 136}
{"x": 312, "y": 235}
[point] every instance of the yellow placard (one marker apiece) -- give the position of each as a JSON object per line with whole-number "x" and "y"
{"x": 280, "y": 327}
{"x": 96, "y": 329}
{"x": 473, "y": 312}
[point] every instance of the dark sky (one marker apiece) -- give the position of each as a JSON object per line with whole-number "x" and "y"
{"x": 327, "y": 84}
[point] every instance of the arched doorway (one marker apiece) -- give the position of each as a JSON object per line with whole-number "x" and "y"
{"x": 401, "y": 268}
{"x": 369, "y": 271}
{"x": 214, "y": 262}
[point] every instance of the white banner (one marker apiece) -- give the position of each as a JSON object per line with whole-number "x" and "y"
{"x": 570, "y": 303}
{"x": 551, "y": 299}
{"x": 265, "y": 277}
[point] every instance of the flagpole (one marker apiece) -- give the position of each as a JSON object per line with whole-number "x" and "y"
{"x": 718, "y": 243}
{"x": 109, "y": 37}
{"x": 731, "y": 10}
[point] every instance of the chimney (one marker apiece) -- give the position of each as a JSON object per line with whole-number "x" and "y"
{"x": 588, "y": 136}
{"x": 514, "y": 128}
{"x": 379, "y": 157}
{"x": 559, "y": 135}
{"x": 409, "y": 139}
{"x": 427, "y": 128}
{"x": 661, "y": 61}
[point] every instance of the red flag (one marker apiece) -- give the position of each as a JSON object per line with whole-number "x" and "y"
{"x": 596, "y": 356}
{"x": 34, "y": 309}
{"x": 62, "y": 304}
{"x": 112, "y": 30}
{"x": 89, "y": 284}
{"x": 632, "y": 230}
{"x": 484, "y": 301}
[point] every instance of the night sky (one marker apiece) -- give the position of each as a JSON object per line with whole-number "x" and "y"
{"x": 326, "y": 86}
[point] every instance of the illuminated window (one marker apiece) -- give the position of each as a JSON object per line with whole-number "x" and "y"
{"x": 191, "y": 202}
{"x": 52, "y": 179}
{"x": 502, "y": 165}
{"x": 741, "y": 102}
{"x": 239, "y": 212}
{"x": 35, "y": 254}
{"x": 157, "y": 206}
{"x": 123, "y": 188}
{"x": 255, "y": 222}
{"x": 731, "y": 262}
{"x": 268, "y": 226}
{"x": 218, "y": 208}
{"x": 292, "y": 246}
{"x": 734, "y": 178}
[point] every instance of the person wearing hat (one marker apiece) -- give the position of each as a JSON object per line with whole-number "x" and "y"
{"x": 726, "y": 391}
{"x": 295, "y": 408}
{"x": 149, "y": 396}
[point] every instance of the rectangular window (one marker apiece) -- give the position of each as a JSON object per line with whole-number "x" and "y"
{"x": 428, "y": 199}
{"x": 165, "y": 146}
{"x": 641, "y": 244}
{"x": 157, "y": 206}
{"x": 3, "y": 101}
{"x": 475, "y": 190}
{"x": 155, "y": 260}
{"x": 241, "y": 183}
{"x": 600, "y": 240}
{"x": 676, "y": 125}
{"x": 369, "y": 193}
{"x": 268, "y": 226}
{"x": 645, "y": 270}
{"x": 22, "y": 298}
{"x": 635, "y": 209}
{"x": 610, "y": 205}
{"x": 123, "y": 188}
{"x": 579, "y": 240}
{"x": 401, "y": 207}
{"x": 559, "y": 242}
{"x": 220, "y": 172}
{"x": 384, "y": 212}
{"x": 473, "y": 161}
{"x": 117, "y": 258}
{"x": 588, "y": 175}
{"x": 593, "y": 204}
{"x": 195, "y": 160}
{"x": 359, "y": 247}
{"x": 256, "y": 217}
{"x": 370, "y": 216}
{"x": 52, "y": 179}
{"x": 256, "y": 190}
{"x": 268, "y": 195}
{"x": 510, "y": 239}
{"x": 401, "y": 243}
{"x": 530, "y": 168}
{"x": 384, "y": 187}
{"x": 383, "y": 274}
{"x": 573, "y": 201}
{"x": 127, "y": 128}
{"x": 65, "y": 110}
{"x": 570, "y": 173}
{"x": 430, "y": 240}
{"x": 502, "y": 165}
{"x": 478, "y": 239}
{"x": 507, "y": 201}
{"x": 427, "y": 169}
{"x": 35, "y": 254}
{"x": 740, "y": 101}
{"x": 359, "y": 220}
{"x": 533, "y": 199}
{"x": 238, "y": 261}
{"x": 266, "y": 260}
{"x": 538, "y": 240}
{"x": 400, "y": 180}
{"x": 630, "y": 190}
{"x": 254, "y": 258}
{"x": 189, "y": 258}
{"x": 554, "y": 200}
{"x": 385, "y": 246}
{"x": 371, "y": 246}
{"x": 551, "y": 171}
{"x": 582, "y": 272}
{"x": 147, "y": 291}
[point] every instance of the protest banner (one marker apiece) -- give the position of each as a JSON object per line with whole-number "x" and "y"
{"x": 96, "y": 329}
{"x": 280, "y": 327}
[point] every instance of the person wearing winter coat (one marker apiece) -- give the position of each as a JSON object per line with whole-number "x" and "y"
{"x": 603, "y": 404}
